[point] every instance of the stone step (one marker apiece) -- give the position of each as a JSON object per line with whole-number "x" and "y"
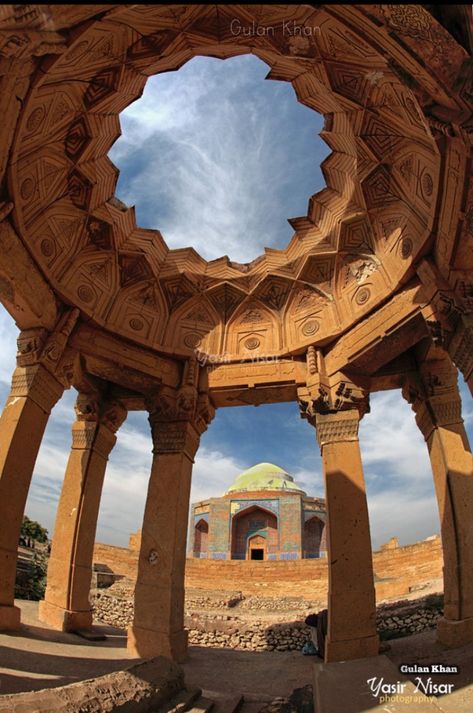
{"x": 201, "y": 705}
{"x": 182, "y": 701}
{"x": 251, "y": 706}
{"x": 224, "y": 702}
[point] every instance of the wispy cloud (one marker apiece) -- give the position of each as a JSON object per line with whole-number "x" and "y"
{"x": 8, "y": 335}
{"x": 217, "y": 159}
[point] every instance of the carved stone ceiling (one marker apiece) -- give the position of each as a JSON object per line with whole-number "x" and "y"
{"x": 362, "y": 233}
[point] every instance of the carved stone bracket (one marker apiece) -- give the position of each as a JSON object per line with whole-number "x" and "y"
{"x": 97, "y": 422}
{"x": 113, "y": 414}
{"x": 93, "y": 408}
{"x": 440, "y": 310}
{"x": 178, "y": 417}
{"x": 335, "y": 405}
{"x": 461, "y": 346}
{"x": 324, "y": 395}
{"x": 433, "y": 395}
{"x": 36, "y": 346}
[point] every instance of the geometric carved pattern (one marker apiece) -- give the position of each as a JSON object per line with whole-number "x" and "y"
{"x": 133, "y": 268}
{"x": 79, "y": 189}
{"x": 101, "y": 86}
{"x": 177, "y": 291}
{"x": 319, "y": 270}
{"x": 381, "y": 138}
{"x": 377, "y": 188}
{"x": 99, "y": 233}
{"x": 274, "y": 292}
{"x": 356, "y": 235}
{"x": 77, "y": 138}
{"x": 373, "y": 101}
{"x": 151, "y": 45}
{"x": 225, "y": 299}
{"x": 349, "y": 81}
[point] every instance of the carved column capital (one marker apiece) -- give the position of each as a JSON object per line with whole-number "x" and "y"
{"x": 336, "y": 427}
{"x": 178, "y": 417}
{"x": 333, "y": 397}
{"x": 96, "y": 423}
{"x": 434, "y": 396}
{"x": 38, "y": 384}
{"x": 83, "y": 434}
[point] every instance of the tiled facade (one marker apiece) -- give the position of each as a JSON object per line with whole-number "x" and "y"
{"x": 265, "y": 524}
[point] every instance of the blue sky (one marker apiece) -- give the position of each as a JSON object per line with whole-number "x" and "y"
{"x": 217, "y": 158}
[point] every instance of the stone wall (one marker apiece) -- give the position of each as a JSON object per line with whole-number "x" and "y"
{"x": 233, "y": 628}
{"x": 398, "y": 571}
{"x": 121, "y": 560}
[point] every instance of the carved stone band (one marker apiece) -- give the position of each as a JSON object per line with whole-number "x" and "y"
{"x": 174, "y": 437}
{"x": 337, "y": 427}
{"x": 38, "y": 384}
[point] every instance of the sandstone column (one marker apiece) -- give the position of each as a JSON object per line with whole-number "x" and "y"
{"x": 351, "y": 597}
{"x": 436, "y": 402}
{"x": 34, "y": 392}
{"x": 66, "y": 605}
{"x": 177, "y": 420}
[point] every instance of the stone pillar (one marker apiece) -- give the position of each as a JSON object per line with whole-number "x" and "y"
{"x": 33, "y": 394}
{"x": 177, "y": 420}
{"x": 66, "y": 605}
{"x": 351, "y": 597}
{"x": 437, "y": 405}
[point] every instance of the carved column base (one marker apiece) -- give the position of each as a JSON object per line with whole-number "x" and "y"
{"x": 147, "y": 643}
{"x": 10, "y": 617}
{"x": 351, "y": 649}
{"x": 64, "y": 619}
{"x": 455, "y": 633}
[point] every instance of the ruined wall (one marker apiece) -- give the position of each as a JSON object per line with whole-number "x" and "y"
{"x": 120, "y": 560}
{"x": 398, "y": 570}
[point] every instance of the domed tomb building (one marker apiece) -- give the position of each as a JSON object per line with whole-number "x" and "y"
{"x": 264, "y": 515}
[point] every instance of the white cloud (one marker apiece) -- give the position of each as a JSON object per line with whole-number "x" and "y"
{"x": 209, "y": 163}
{"x": 213, "y": 473}
{"x": 402, "y": 514}
{"x": 8, "y": 335}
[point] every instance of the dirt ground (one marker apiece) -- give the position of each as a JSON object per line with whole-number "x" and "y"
{"x": 38, "y": 657}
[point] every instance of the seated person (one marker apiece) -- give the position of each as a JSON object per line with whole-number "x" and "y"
{"x": 318, "y": 631}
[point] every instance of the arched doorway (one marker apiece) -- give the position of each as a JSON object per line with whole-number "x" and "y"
{"x": 312, "y": 537}
{"x": 257, "y": 548}
{"x": 201, "y": 535}
{"x": 254, "y": 534}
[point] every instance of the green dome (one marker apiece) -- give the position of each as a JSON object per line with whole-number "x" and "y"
{"x": 264, "y": 476}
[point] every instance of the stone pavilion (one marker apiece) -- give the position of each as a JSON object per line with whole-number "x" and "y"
{"x": 374, "y": 291}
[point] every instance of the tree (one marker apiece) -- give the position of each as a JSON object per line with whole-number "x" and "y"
{"x": 32, "y": 531}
